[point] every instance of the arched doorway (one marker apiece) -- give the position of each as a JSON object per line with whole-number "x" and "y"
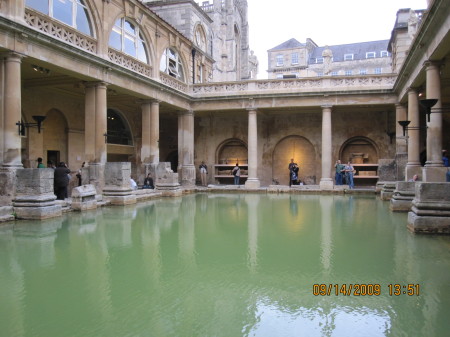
{"x": 303, "y": 153}
{"x": 55, "y": 137}
{"x": 120, "y": 141}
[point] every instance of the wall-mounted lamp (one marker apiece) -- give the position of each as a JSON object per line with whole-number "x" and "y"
{"x": 21, "y": 125}
{"x": 428, "y": 104}
{"x": 40, "y": 69}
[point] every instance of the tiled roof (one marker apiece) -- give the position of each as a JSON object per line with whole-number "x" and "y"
{"x": 358, "y": 50}
{"x": 289, "y": 44}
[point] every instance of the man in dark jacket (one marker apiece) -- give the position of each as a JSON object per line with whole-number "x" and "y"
{"x": 61, "y": 181}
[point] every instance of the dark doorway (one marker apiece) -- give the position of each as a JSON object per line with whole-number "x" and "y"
{"x": 173, "y": 159}
{"x": 53, "y": 156}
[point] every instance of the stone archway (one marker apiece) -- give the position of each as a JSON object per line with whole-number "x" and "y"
{"x": 303, "y": 153}
{"x": 359, "y": 150}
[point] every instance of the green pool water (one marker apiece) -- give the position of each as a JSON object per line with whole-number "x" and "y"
{"x": 225, "y": 265}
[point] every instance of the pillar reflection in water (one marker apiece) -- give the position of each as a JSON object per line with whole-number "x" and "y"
{"x": 326, "y": 203}
{"x": 252, "y": 214}
{"x": 186, "y": 230}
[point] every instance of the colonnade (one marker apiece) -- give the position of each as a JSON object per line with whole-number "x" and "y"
{"x": 433, "y": 171}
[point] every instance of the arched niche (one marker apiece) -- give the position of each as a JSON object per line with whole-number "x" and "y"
{"x": 359, "y": 150}
{"x": 231, "y": 151}
{"x": 303, "y": 153}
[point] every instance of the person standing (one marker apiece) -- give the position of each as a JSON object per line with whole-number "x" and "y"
{"x": 40, "y": 164}
{"x": 294, "y": 174}
{"x": 237, "y": 174}
{"x": 349, "y": 175}
{"x": 339, "y": 168}
{"x": 79, "y": 174}
{"x": 291, "y": 167}
{"x": 203, "y": 172}
{"x": 61, "y": 175}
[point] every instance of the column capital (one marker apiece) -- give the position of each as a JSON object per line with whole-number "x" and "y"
{"x": 252, "y": 110}
{"x": 185, "y": 112}
{"x": 95, "y": 84}
{"x": 326, "y": 106}
{"x": 428, "y": 64}
{"x": 12, "y": 55}
{"x": 413, "y": 90}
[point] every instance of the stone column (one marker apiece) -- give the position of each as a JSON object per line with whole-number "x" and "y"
{"x": 100, "y": 123}
{"x": 413, "y": 165}
{"x": 12, "y": 100}
{"x": 400, "y": 115}
{"x": 434, "y": 170}
{"x": 96, "y": 127}
{"x": 252, "y": 180}
{"x": 401, "y": 146}
{"x": 11, "y": 114}
{"x": 89, "y": 123}
{"x": 180, "y": 145}
{"x": 154, "y": 132}
{"x": 187, "y": 150}
{"x": 326, "y": 182}
{"x": 146, "y": 125}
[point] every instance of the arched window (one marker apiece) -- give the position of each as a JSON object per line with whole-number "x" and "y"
{"x": 171, "y": 64}
{"x": 200, "y": 38}
{"x": 71, "y": 12}
{"x": 118, "y": 130}
{"x": 126, "y": 37}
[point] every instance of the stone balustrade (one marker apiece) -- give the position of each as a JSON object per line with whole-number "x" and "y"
{"x": 285, "y": 86}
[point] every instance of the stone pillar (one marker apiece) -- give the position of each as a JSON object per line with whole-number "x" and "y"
{"x": 252, "y": 180}
{"x": 326, "y": 182}
{"x": 180, "y": 145}
{"x": 96, "y": 127}
{"x": 12, "y": 101}
{"x": 430, "y": 211}
{"x": 146, "y": 125}
{"x": 187, "y": 150}
{"x": 11, "y": 114}
{"x": 117, "y": 184}
{"x": 100, "y": 123}
{"x": 400, "y": 115}
{"x": 35, "y": 199}
{"x": 154, "y": 132}
{"x": 434, "y": 170}
{"x": 89, "y": 123}
{"x": 401, "y": 146}
{"x": 413, "y": 165}
{"x": 403, "y": 196}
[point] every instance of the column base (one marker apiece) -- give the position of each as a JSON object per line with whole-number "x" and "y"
{"x": 326, "y": 184}
{"x": 434, "y": 174}
{"x": 252, "y": 184}
{"x": 410, "y": 171}
{"x": 188, "y": 175}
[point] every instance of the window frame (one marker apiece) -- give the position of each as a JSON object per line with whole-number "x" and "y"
{"x": 349, "y": 57}
{"x": 279, "y": 60}
{"x": 371, "y": 55}
{"x": 126, "y": 35}
{"x": 173, "y": 64}
{"x": 384, "y": 53}
{"x": 75, "y": 5}
{"x": 295, "y": 58}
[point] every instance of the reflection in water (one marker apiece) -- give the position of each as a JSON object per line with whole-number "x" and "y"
{"x": 223, "y": 265}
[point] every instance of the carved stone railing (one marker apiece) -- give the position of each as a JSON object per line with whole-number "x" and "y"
{"x": 60, "y": 31}
{"x": 129, "y": 62}
{"x": 319, "y": 84}
{"x": 173, "y": 82}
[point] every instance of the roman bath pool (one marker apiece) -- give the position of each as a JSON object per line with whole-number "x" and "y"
{"x": 225, "y": 265}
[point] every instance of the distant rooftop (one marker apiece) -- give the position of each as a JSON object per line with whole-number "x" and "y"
{"x": 289, "y": 44}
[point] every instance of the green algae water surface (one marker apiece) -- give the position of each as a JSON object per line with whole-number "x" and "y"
{"x": 225, "y": 265}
